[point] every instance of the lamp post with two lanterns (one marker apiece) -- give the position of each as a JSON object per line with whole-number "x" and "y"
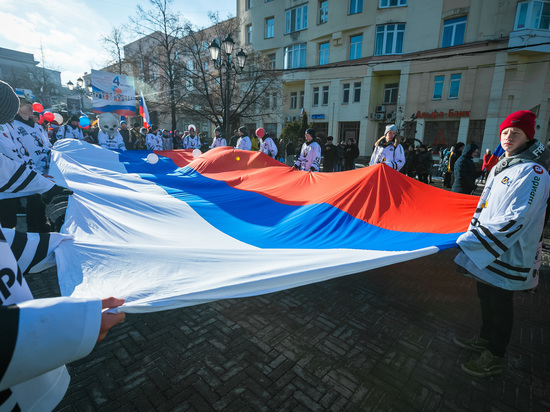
{"x": 222, "y": 57}
{"x": 80, "y": 90}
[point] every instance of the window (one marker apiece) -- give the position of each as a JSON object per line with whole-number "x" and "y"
{"x": 533, "y": 14}
{"x": 453, "y": 32}
{"x": 438, "y": 87}
{"x": 325, "y": 95}
{"x": 389, "y": 39}
{"x": 248, "y": 34}
{"x": 356, "y": 92}
{"x": 323, "y": 53}
{"x": 355, "y": 6}
{"x": 355, "y": 47}
{"x": 323, "y": 11}
{"x": 454, "y": 86}
{"x": 345, "y": 95}
{"x": 392, "y": 3}
{"x": 295, "y": 56}
{"x": 315, "y": 96}
{"x": 272, "y": 58}
{"x": 296, "y": 19}
{"x": 274, "y": 101}
{"x": 390, "y": 93}
{"x": 269, "y": 27}
{"x": 302, "y": 95}
{"x": 247, "y": 4}
{"x": 293, "y": 99}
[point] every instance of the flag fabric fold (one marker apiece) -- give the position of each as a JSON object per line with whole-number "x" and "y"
{"x": 231, "y": 224}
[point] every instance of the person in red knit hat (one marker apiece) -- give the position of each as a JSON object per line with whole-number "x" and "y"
{"x": 502, "y": 248}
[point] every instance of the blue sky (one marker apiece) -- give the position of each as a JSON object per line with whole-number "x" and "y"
{"x": 69, "y": 31}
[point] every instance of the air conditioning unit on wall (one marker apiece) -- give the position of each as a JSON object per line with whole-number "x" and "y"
{"x": 390, "y": 116}
{"x": 380, "y": 109}
{"x": 379, "y": 116}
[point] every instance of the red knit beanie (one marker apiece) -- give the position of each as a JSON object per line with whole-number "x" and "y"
{"x": 524, "y": 120}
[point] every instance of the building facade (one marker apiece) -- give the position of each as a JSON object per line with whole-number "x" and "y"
{"x": 443, "y": 71}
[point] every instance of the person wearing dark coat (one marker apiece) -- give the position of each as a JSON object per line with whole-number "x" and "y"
{"x": 465, "y": 171}
{"x": 329, "y": 155}
{"x": 424, "y": 163}
{"x": 351, "y": 152}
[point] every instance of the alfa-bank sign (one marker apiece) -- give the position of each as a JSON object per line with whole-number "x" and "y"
{"x": 435, "y": 114}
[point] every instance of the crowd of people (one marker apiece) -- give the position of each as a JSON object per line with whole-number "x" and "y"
{"x": 501, "y": 249}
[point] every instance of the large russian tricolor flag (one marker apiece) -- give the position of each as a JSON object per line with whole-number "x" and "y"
{"x": 232, "y": 223}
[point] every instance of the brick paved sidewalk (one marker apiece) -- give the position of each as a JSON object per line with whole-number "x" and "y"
{"x": 379, "y": 340}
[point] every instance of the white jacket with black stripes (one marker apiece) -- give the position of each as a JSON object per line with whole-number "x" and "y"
{"x": 502, "y": 246}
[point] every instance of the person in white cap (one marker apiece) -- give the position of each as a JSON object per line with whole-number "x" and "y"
{"x": 387, "y": 150}
{"x": 192, "y": 141}
{"x": 219, "y": 140}
{"x": 244, "y": 142}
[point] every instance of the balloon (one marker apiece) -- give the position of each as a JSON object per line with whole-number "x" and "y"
{"x": 152, "y": 158}
{"x": 196, "y": 153}
{"x": 260, "y": 132}
{"x": 58, "y": 118}
{"x": 40, "y": 119}
{"x": 48, "y": 116}
{"x": 37, "y": 107}
{"x": 84, "y": 121}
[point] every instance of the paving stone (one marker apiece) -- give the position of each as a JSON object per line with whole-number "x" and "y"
{"x": 379, "y": 340}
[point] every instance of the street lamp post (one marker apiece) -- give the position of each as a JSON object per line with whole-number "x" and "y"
{"x": 80, "y": 90}
{"x": 225, "y": 59}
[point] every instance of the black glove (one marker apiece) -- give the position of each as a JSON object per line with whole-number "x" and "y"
{"x": 311, "y": 169}
{"x": 296, "y": 167}
{"x": 48, "y": 196}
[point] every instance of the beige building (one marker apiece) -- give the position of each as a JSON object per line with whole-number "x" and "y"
{"x": 442, "y": 70}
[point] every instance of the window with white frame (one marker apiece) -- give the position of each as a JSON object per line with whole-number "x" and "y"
{"x": 453, "y": 32}
{"x": 272, "y": 60}
{"x": 438, "y": 87}
{"x": 295, "y": 56}
{"x": 302, "y": 98}
{"x": 323, "y": 53}
{"x": 389, "y": 39}
{"x": 390, "y": 93}
{"x": 323, "y": 11}
{"x": 345, "y": 93}
{"x": 355, "y": 6}
{"x": 392, "y": 3}
{"x": 293, "y": 100}
{"x": 315, "y": 96}
{"x": 534, "y": 14}
{"x": 325, "y": 95}
{"x": 454, "y": 87}
{"x": 247, "y": 4}
{"x": 296, "y": 19}
{"x": 249, "y": 34}
{"x": 269, "y": 27}
{"x": 355, "y": 43}
{"x": 356, "y": 92}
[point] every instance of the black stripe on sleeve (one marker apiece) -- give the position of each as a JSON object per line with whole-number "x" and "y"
{"x": 508, "y": 226}
{"x": 41, "y": 251}
{"x": 485, "y": 244}
{"x": 26, "y": 182}
{"x": 493, "y": 238}
{"x": 18, "y": 245}
{"x": 14, "y": 178}
{"x": 510, "y": 267}
{"x": 506, "y": 275}
{"x": 9, "y": 319}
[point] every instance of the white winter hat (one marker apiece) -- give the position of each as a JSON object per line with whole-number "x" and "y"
{"x": 390, "y": 127}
